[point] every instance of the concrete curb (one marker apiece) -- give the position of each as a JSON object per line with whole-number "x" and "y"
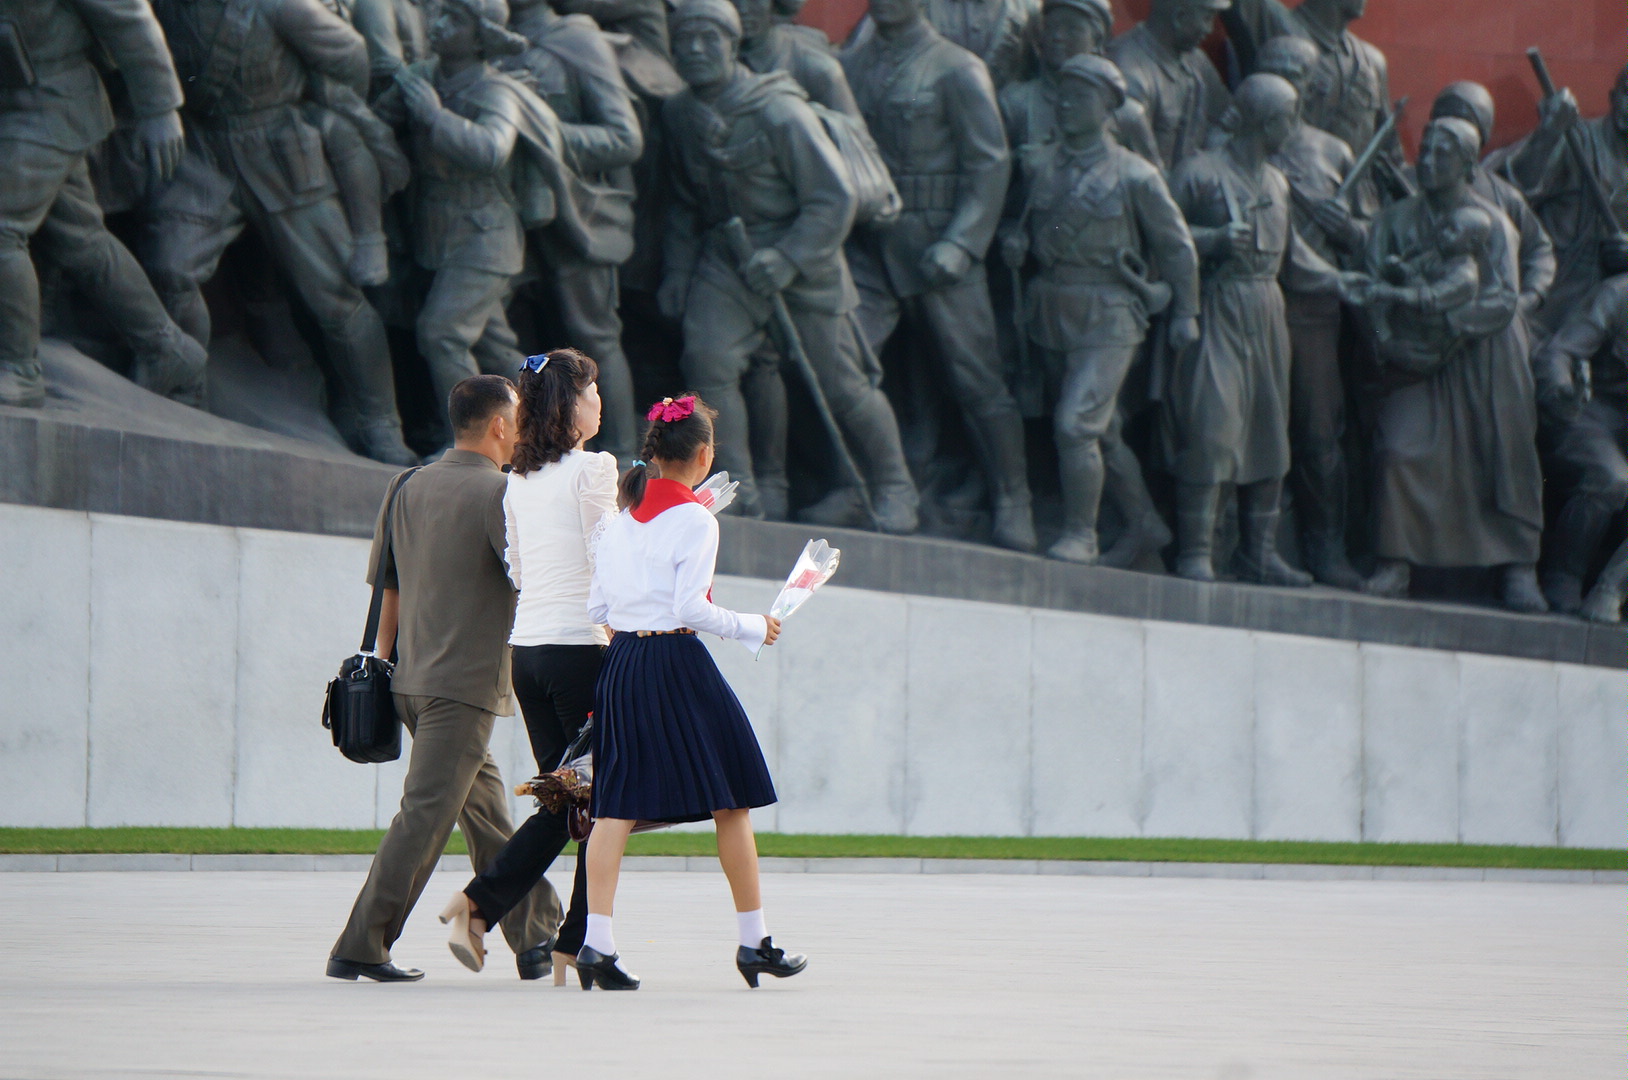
{"x": 36, "y": 864}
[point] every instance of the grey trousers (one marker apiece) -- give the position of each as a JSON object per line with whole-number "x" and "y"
{"x": 450, "y": 777}
{"x": 48, "y": 197}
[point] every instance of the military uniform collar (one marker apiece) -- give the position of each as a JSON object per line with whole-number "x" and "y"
{"x": 914, "y": 38}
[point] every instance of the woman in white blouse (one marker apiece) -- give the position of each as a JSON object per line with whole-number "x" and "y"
{"x": 560, "y": 497}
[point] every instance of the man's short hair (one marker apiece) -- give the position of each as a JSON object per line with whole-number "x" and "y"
{"x": 475, "y": 400}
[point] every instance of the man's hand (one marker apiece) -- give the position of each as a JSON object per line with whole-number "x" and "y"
{"x": 1014, "y": 247}
{"x": 1358, "y": 290}
{"x": 672, "y": 294}
{"x": 945, "y": 263}
{"x": 768, "y": 272}
{"x": 162, "y": 141}
{"x": 422, "y": 100}
{"x": 1184, "y": 333}
{"x": 774, "y": 629}
{"x": 1557, "y": 113}
{"x": 1334, "y": 218}
{"x": 1239, "y": 237}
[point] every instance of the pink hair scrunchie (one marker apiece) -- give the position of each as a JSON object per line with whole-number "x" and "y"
{"x": 668, "y": 410}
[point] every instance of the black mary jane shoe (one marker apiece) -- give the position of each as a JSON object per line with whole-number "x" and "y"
{"x": 767, "y": 960}
{"x": 536, "y": 962}
{"x": 385, "y": 972}
{"x": 594, "y": 966}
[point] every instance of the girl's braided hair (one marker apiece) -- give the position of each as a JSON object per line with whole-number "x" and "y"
{"x": 678, "y": 429}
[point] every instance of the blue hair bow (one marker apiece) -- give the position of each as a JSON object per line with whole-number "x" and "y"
{"x": 536, "y": 363}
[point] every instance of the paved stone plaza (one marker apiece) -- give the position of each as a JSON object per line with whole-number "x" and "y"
{"x": 220, "y": 975}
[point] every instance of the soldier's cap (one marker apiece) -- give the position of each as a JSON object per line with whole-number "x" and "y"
{"x": 1097, "y": 9}
{"x": 1473, "y": 98}
{"x": 1098, "y": 71}
{"x": 491, "y": 18}
{"x": 1464, "y": 134}
{"x": 721, "y": 12}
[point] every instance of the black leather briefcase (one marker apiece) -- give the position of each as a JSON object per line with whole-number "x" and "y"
{"x": 358, "y": 709}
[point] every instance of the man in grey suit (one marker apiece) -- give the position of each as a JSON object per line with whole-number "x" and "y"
{"x": 448, "y": 609}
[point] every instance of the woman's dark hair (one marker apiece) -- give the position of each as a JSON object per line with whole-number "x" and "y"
{"x": 667, "y": 440}
{"x": 548, "y": 408}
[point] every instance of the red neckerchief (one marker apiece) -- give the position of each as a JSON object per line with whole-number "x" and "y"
{"x": 661, "y": 495}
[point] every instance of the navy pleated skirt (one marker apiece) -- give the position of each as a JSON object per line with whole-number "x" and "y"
{"x": 671, "y": 741}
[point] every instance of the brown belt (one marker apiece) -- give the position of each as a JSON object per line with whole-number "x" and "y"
{"x": 659, "y": 633}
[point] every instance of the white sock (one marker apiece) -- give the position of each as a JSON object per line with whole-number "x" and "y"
{"x": 599, "y": 936}
{"x": 752, "y": 929}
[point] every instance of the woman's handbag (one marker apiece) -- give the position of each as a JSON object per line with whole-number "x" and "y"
{"x": 358, "y": 709}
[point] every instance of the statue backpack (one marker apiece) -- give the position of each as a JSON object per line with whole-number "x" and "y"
{"x": 879, "y": 201}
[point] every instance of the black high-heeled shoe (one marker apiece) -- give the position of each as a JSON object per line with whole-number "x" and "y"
{"x": 594, "y": 966}
{"x": 767, "y": 960}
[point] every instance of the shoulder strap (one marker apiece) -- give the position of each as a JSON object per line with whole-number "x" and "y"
{"x": 370, "y": 635}
{"x": 224, "y": 52}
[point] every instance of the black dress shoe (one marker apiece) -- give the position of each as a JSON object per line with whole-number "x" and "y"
{"x": 535, "y": 962}
{"x": 594, "y": 966}
{"x": 385, "y": 972}
{"x": 767, "y": 960}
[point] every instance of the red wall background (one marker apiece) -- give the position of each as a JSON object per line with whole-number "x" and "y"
{"x": 1431, "y": 43}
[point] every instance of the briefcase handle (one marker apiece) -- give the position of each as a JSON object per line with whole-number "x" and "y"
{"x": 370, "y": 635}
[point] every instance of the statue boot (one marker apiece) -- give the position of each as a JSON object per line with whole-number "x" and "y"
{"x": 1082, "y": 481}
{"x": 22, "y": 384}
{"x": 382, "y": 441}
{"x": 173, "y": 366}
{"x": 1001, "y": 440}
{"x": 1258, "y": 558}
{"x": 1521, "y": 592}
{"x": 1578, "y": 531}
{"x": 1604, "y": 603}
{"x": 1145, "y": 531}
{"x": 1196, "y": 507}
{"x": 1391, "y": 580}
{"x": 1328, "y": 562}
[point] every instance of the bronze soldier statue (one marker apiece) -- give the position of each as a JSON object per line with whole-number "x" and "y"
{"x": 1068, "y": 28}
{"x": 1093, "y": 209}
{"x": 573, "y": 68}
{"x": 1348, "y": 93}
{"x": 53, "y": 111}
{"x": 1229, "y": 397}
{"x": 748, "y": 152}
{"x": 254, "y": 159}
{"x": 1172, "y": 78}
{"x": 998, "y": 32}
{"x": 932, "y": 108}
{"x": 1558, "y": 182}
{"x": 770, "y": 45}
{"x": 467, "y": 129}
{"x": 1582, "y": 377}
{"x": 1455, "y": 440}
{"x": 1316, "y": 163}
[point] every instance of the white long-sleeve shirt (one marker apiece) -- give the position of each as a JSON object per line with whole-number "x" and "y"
{"x": 554, "y": 517}
{"x": 657, "y": 575}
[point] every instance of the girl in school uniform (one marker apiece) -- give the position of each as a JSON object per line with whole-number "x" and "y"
{"x": 671, "y": 741}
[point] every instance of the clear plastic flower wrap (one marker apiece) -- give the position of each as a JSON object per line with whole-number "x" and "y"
{"x": 717, "y": 492}
{"x": 816, "y": 564}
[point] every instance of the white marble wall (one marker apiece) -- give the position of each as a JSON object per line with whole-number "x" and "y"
{"x": 158, "y": 673}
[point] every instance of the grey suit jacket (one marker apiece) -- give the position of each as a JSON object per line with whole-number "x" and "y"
{"x": 457, "y": 605}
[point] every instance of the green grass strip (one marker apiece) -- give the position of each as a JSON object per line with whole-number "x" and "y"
{"x": 809, "y": 846}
